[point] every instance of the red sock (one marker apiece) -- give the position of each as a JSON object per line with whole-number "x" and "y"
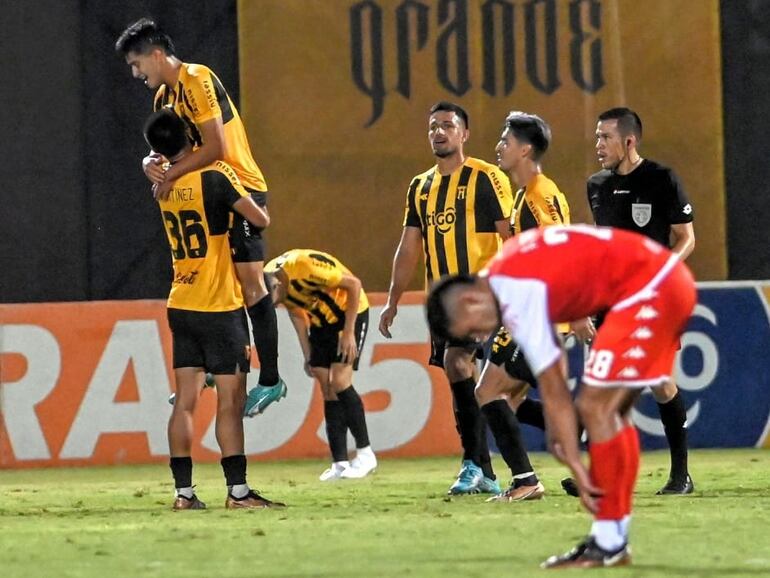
{"x": 609, "y": 467}
{"x": 633, "y": 451}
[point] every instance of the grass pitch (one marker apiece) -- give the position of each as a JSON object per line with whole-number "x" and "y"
{"x": 116, "y": 522}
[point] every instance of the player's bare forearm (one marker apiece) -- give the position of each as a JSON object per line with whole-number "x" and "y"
{"x": 684, "y": 240}
{"x": 352, "y": 286}
{"x": 404, "y": 263}
{"x": 252, "y": 212}
{"x": 503, "y": 229}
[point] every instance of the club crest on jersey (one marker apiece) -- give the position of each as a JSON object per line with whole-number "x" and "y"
{"x": 641, "y": 213}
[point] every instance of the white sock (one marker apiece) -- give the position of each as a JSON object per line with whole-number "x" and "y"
{"x": 367, "y": 451}
{"x": 608, "y": 534}
{"x": 186, "y": 492}
{"x": 239, "y": 491}
{"x": 341, "y": 465}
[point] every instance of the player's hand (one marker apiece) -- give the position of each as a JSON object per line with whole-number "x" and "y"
{"x": 346, "y": 347}
{"x": 583, "y": 330}
{"x": 154, "y": 167}
{"x": 161, "y": 192}
{"x": 387, "y": 316}
{"x": 589, "y": 493}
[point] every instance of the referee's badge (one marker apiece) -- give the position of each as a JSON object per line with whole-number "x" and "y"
{"x": 641, "y": 213}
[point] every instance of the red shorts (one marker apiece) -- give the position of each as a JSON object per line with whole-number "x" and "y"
{"x": 637, "y": 343}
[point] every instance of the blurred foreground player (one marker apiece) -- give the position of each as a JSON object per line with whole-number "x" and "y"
{"x": 568, "y": 273}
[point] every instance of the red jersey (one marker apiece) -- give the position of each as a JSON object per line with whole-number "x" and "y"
{"x": 560, "y": 274}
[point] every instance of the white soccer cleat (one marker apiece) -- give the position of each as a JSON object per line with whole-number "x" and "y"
{"x": 362, "y": 465}
{"x": 334, "y": 472}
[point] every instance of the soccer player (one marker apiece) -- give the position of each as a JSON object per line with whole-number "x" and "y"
{"x": 205, "y": 310}
{"x": 506, "y": 376}
{"x": 643, "y": 196}
{"x": 330, "y": 313}
{"x": 214, "y": 127}
{"x": 560, "y": 274}
{"x": 457, "y": 213}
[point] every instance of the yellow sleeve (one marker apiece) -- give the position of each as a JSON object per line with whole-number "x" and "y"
{"x": 503, "y": 191}
{"x": 201, "y": 94}
{"x": 549, "y": 206}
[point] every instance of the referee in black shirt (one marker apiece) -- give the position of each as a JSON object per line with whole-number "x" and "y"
{"x": 640, "y": 195}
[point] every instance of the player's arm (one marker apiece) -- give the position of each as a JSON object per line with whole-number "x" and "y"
{"x": 404, "y": 264}
{"x": 301, "y": 324}
{"x": 683, "y": 239}
{"x": 504, "y": 229}
{"x": 152, "y": 165}
{"x": 561, "y": 427}
{"x": 346, "y": 346}
{"x": 252, "y": 212}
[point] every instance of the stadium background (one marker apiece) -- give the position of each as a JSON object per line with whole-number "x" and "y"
{"x": 334, "y": 96}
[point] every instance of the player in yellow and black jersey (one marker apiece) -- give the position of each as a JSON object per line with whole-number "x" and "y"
{"x": 506, "y": 377}
{"x": 330, "y": 313}
{"x": 457, "y": 214}
{"x": 215, "y": 129}
{"x": 205, "y": 310}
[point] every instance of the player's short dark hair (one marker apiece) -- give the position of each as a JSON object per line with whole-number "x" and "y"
{"x": 628, "y": 121}
{"x": 165, "y": 132}
{"x": 531, "y": 129}
{"x": 143, "y": 36}
{"x": 450, "y": 107}
{"x": 435, "y": 307}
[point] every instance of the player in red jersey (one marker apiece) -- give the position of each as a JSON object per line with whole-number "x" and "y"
{"x": 560, "y": 274}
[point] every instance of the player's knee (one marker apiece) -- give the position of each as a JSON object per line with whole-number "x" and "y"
{"x": 457, "y": 368}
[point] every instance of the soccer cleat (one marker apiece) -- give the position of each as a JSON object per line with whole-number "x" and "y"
{"x": 588, "y": 554}
{"x": 677, "y": 487}
{"x": 208, "y": 383}
{"x": 362, "y": 465}
{"x": 489, "y": 486}
{"x": 260, "y": 397}
{"x": 570, "y": 487}
{"x": 251, "y": 501}
{"x": 520, "y": 494}
{"x": 468, "y": 479}
{"x": 334, "y": 472}
{"x": 184, "y": 503}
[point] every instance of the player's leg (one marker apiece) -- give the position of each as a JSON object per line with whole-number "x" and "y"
{"x": 249, "y": 257}
{"x": 673, "y": 414}
{"x": 226, "y": 346}
{"x": 341, "y": 383}
{"x": 614, "y": 461}
{"x": 459, "y": 366}
{"x": 494, "y": 388}
{"x": 188, "y": 361}
{"x": 334, "y": 416}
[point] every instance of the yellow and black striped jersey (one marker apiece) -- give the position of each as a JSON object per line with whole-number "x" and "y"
{"x": 538, "y": 204}
{"x": 197, "y": 217}
{"x": 314, "y": 278}
{"x": 456, "y": 215}
{"x": 199, "y": 97}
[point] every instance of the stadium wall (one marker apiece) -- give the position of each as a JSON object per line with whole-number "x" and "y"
{"x": 87, "y": 384}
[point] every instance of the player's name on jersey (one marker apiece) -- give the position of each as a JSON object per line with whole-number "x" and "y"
{"x": 182, "y": 194}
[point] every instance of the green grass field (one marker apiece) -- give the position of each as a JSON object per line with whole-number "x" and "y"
{"x": 115, "y": 522}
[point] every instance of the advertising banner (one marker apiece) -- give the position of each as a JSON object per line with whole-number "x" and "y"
{"x": 335, "y": 97}
{"x": 87, "y": 383}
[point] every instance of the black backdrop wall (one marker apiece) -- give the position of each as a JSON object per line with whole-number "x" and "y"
{"x": 76, "y": 217}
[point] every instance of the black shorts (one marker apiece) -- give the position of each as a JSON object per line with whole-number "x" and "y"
{"x": 504, "y": 352}
{"x": 246, "y": 239}
{"x": 217, "y": 341}
{"x": 324, "y": 341}
{"x": 438, "y": 347}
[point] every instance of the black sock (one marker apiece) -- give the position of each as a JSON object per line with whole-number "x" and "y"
{"x": 181, "y": 469}
{"x": 674, "y": 416}
{"x": 530, "y": 412}
{"x": 336, "y": 430}
{"x": 264, "y": 324}
{"x": 505, "y": 427}
{"x": 484, "y": 457}
{"x": 234, "y": 468}
{"x": 355, "y": 416}
{"x": 471, "y": 424}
